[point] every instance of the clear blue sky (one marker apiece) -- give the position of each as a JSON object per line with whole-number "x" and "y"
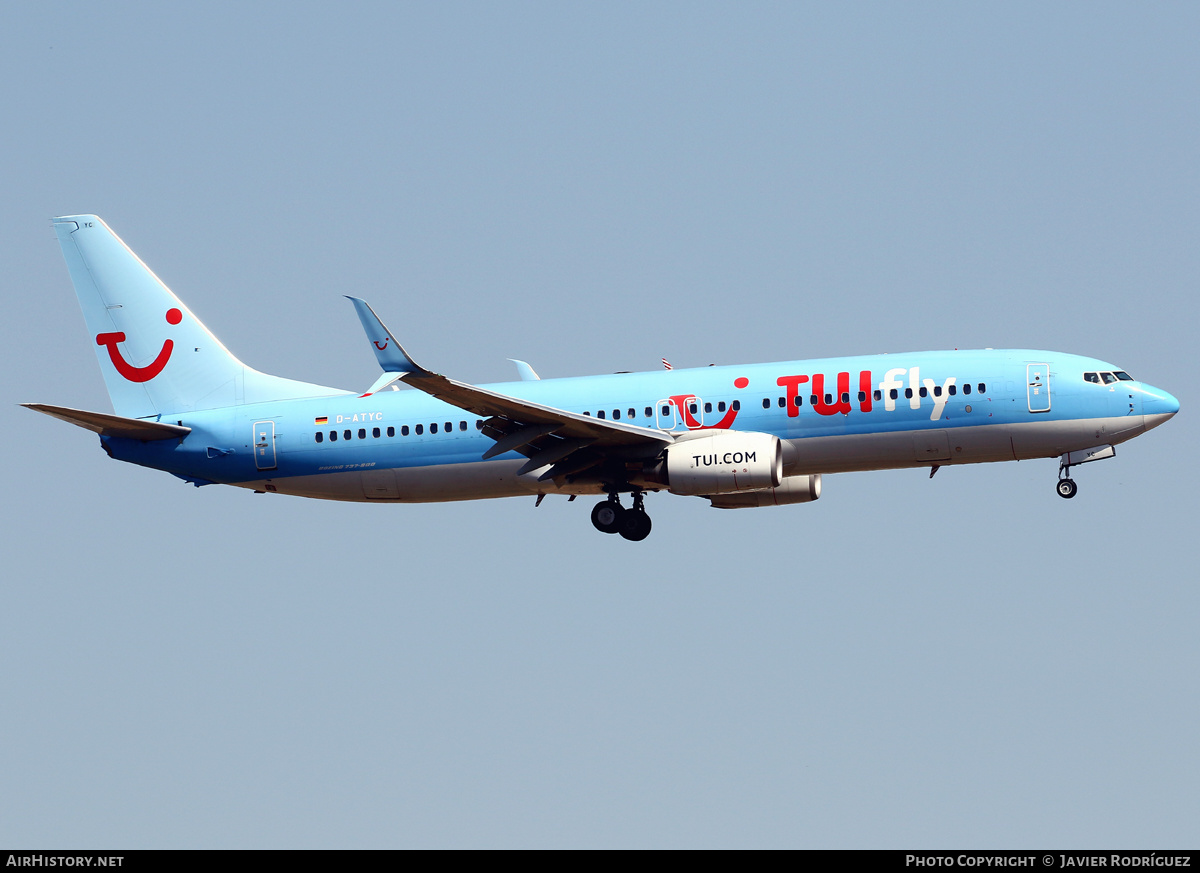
{"x": 968, "y": 661}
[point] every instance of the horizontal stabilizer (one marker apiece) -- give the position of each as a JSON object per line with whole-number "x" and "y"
{"x": 113, "y": 425}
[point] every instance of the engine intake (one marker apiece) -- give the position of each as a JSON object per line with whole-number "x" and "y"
{"x": 728, "y": 462}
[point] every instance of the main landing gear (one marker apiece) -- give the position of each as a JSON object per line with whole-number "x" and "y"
{"x": 609, "y": 516}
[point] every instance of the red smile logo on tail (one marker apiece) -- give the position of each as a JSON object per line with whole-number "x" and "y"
{"x": 130, "y": 372}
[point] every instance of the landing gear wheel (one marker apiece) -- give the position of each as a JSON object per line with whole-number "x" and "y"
{"x": 635, "y": 525}
{"x": 1067, "y": 488}
{"x": 607, "y": 516}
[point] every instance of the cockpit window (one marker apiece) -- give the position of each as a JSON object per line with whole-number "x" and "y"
{"x": 1108, "y": 378}
{"x": 1123, "y": 376}
{"x": 1091, "y": 377}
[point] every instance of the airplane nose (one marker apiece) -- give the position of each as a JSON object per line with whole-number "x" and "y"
{"x": 1157, "y": 406}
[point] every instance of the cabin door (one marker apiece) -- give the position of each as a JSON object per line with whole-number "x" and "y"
{"x": 1038, "y": 387}
{"x": 264, "y": 445}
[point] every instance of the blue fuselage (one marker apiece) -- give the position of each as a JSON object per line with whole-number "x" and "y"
{"x": 836, "y": 414}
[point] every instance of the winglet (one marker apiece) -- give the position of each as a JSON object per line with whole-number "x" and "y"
{"x": 526, "y": 372}
{"x": 390, "y": 354}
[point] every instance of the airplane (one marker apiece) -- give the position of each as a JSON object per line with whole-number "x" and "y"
{"x": 753, "y": 435}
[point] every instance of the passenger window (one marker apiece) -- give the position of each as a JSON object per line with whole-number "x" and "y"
{"x": 588, "y": 414}
{"x": 1091, "y": 377}
{"x": 982, "y": 389}
{"x": 403, "y": 430}
{"x": 599, "y": 413}
{"x": 721, "y": 406}
{"x": 845, "y": 397}
{"x": 812, "y": 398}
{"x": 333, "y": 436}
{"x": 375, "y": 432}
{"x": 420, "y": 429}
{"x": 923, "y": 391}
{"x": 908, "y": 393}
{"x": 666, "y": 410}
{"x": 462, "y": 425}
{"x": 967, "y": 388}
{"x": 828, "y": 399}
{"x": 782, "y": 402}
{"x": 1108, "y": 378}
{"x": 692, "y": 408}
{"x": 766, "y": 403}
{"x": 616, "y": 415}
{"x": 479, "y": 424}
{"x": 433, "y": 427}
{"x": 362, "y": 433}
{"x": 878, "y": 395}
{"x": 708, "y": 407}
{"x": 449, "y": 427}
{"x": 799, "y": 401}
{"x": 649, "y": 411}
{"x": 632, "y": 412}
{"x": 937, "y": 390}
{"x": 391, "y": 431}
{"x": 320, "y": 437}
{"x": 953, "y": 390}
{"x": 893, "y": 394}
{"x": 345, "y": 434}
{"x": 736, "y": 405}
{"x": 862, "y": 396}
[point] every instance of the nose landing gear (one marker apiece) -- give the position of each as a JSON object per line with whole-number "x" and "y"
{"x": 609, "y": 516}
{"x": 1066, "y": 486}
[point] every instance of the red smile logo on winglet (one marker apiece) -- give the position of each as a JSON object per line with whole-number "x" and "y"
{"x": 126, "y": 369}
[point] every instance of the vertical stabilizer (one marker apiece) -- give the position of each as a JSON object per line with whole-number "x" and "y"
{"x": 156, "y": 356}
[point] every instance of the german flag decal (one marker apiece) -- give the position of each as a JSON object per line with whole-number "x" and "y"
{"x": 321, "y": 419}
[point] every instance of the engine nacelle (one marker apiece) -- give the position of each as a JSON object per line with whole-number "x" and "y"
{"x": 795, "y": 489}
{"x": 726, "y": 462}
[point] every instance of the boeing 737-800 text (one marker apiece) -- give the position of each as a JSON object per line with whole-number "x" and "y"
{"x": 739, "y": 436}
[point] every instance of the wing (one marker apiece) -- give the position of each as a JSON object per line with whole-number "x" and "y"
{"x": 565, "y": 443}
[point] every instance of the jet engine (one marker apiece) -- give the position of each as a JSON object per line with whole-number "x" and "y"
{"x": 726, "y": 462}
{"x": 794, "y": 489}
